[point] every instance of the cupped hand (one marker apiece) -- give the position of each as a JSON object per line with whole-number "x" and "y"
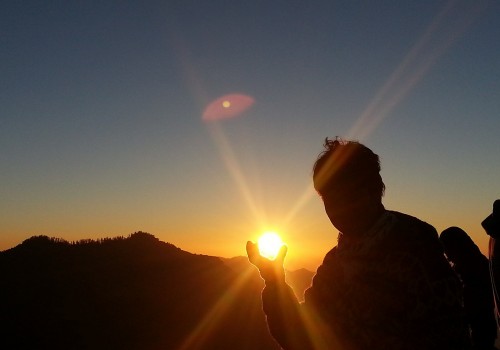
{"x": 270, "y": 270}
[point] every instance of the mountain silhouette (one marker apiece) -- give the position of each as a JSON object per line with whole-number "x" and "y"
{"x": 128, "y": 293}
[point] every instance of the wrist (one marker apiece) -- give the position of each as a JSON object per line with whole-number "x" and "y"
{"x": 275, "y": 279}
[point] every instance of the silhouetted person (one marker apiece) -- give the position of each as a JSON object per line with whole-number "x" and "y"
{"x": 492, "y": 227}
{"x": 492, "y": 223}
{"x": 386, "y": 285}
{"x": 473, "y": 268}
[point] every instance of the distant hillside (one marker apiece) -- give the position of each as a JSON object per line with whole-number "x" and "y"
{"x": 126, "y": 293}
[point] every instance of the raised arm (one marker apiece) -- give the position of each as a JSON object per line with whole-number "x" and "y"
{"x": 285, "y": 315}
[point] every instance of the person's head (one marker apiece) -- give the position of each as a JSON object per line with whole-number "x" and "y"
{"x": 457, "y": 244}
{"x": 347, "y": 177}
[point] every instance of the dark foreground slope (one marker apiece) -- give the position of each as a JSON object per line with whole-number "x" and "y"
{"x": 126, "y": 293}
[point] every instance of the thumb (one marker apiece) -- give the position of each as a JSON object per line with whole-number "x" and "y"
{"x": 282, "y": 253}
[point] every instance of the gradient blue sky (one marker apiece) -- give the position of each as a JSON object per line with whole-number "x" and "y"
{"x": 101, "y": 132}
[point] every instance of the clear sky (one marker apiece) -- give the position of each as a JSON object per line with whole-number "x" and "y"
{"x": 101, "y": 103}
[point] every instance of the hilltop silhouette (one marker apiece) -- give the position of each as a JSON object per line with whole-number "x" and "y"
{"x": 127, "y": 293}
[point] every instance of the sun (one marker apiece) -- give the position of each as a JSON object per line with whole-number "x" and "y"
{"x": 269, "y": 244}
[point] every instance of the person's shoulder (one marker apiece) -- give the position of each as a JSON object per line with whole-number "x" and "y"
{"x": 323, "y": 277}
{"x": 328, "y": 261}
{"x": 415, "y": 232}
{"x": 408, "y": 220}
{"x": 330, "y": 256}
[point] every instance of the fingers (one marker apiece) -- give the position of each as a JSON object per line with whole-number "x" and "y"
{"x": 252, "y": 252}
{"x": 251, "y": 248}
{"x": 282, "y": 253}
{"x": 255, "y": 257}
{"x": 270, "y": 270}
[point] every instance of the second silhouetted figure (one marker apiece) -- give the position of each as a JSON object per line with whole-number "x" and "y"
{"x": 473, "y": 268}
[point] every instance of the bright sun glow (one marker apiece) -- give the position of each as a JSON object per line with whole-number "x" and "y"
{"x": 269, "y": 245}
{"x": 226, "y": 104}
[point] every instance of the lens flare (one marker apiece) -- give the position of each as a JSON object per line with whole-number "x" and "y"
{"x": 227, "y": 107}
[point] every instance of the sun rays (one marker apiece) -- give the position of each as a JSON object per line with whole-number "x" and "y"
{"x": 433, "y": 44}
{"x": 439, "y": 36}
{"x": 212, "y": 318}
{"x": 233, "y": 167}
